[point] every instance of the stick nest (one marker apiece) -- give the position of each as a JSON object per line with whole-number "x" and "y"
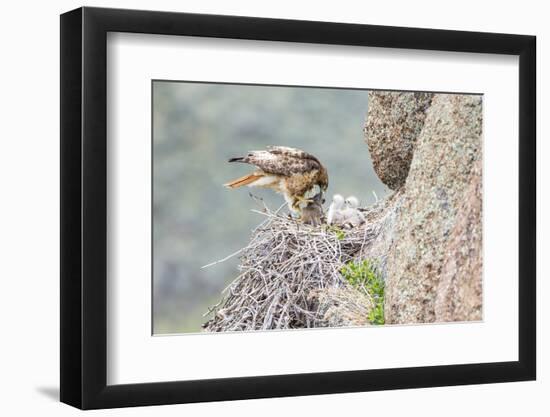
{"x": 290, "y": 278}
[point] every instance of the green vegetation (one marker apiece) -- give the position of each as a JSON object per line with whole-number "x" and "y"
{"x": 340, "y": 234}
{"x": 364, "y": 276}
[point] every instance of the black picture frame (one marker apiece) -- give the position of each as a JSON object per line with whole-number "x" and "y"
{"x": 84, "y": 207}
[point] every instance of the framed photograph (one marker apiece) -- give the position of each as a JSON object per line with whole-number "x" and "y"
{"x": 257, "y": 208}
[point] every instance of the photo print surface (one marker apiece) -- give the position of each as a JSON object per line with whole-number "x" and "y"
{"x": 283, "y": 207}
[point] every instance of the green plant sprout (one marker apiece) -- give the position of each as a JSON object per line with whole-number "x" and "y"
{"x": 340, "y": 234}
{"x": 364, "y": 276}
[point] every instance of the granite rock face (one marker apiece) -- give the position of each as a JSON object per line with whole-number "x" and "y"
{"x": 394, "y": 121}
{"x": 431, "y": 235}
{"x": 459, "y": 294}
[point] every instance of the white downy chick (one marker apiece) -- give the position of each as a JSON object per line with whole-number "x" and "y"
{"x": 334, "y": 211}
{"x": 352, "y": 202}
{"x": 352, "y": 217}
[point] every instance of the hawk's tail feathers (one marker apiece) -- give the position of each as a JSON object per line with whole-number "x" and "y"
{"x": 247, "y": 179}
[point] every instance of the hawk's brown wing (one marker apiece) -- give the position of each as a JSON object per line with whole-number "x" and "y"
{"x": 293, "y": 152}
{"x": 282, "y": 160}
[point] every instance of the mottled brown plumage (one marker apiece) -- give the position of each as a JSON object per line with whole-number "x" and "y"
{"x": 313, "y": 213}
{"x": 289, "y": 171}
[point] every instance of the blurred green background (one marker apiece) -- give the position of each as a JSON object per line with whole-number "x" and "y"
{"x": 196, "y": 128}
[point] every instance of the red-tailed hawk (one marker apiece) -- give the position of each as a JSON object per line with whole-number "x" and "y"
{"x": 288, "y": 171}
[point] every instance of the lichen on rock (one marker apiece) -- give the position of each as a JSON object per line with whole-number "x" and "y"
{"x": 459, "y": 293}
